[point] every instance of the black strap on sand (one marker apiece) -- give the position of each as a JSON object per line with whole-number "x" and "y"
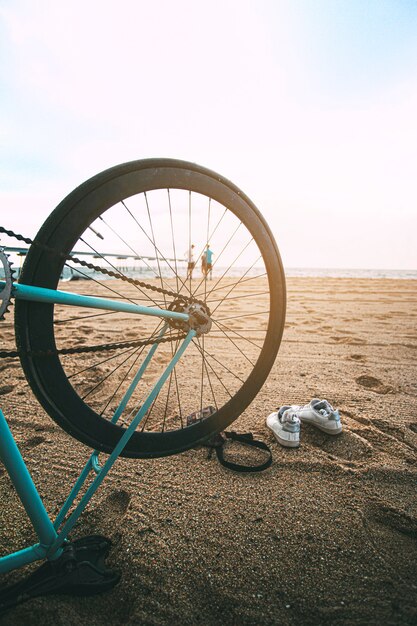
{"x": 217, "y": 443}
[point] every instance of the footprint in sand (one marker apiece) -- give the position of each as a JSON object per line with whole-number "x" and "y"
{"x": 357, "y": 357}
{"x": 347, "y": 447}
{"x": 388, "y": 428}
{"x": 353, "y": 341}
{"x": 33, "y": 442}
{"x": 357, "y": 418}
{"x": 117, "y": 502}
{"x": 6, "y": 389}
{"x": 113, "y": 507}
{"x": 374, "y": 384}
{"x": 394, "y": 519}
{"x": 106, "y": 517}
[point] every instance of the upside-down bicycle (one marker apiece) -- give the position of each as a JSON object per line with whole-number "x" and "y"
{"x": 107, "y": 363}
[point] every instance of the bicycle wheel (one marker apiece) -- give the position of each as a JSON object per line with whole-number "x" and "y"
{"x": 136, "y": 220}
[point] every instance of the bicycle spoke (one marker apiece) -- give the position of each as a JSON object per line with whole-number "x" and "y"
{"x": 231, "y": 330}
{"x": 172, "y": 375}
{"x": 123, "y": 379}
{"x": 173, "y": 353}
{"x": 241, "y": 281}
{"x": 106, "y": 377}
{"x": 237, "y": 317}
{"x": 173, "y": 239}
{"x": 214, "y": 371}
{"x": 141, "y": 258}
{"x": 248, "y": 295}
{"x": 203, "y": 360}
{"x": 208, "y": 377}
{"x": 84, "y": 317}
{"x": 116, "y": 269}
{"x": 167, "y": 402}
{"x": 221, "y": 253}
{"x": 88, "y": 277}
{"x": 235, "y": 345}
{"x": 152, "y": 242}
{"x": 97, "y": 363}
{"x": 232, "y": 288}
{"x": 207, "y": 243}
{"x": 232, "y": 264}
{"x": 209, "y": 354}
{"x": 138, "y": 256}
{"x": 211, "y": 237}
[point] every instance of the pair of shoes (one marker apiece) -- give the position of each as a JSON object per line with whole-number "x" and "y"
{"x": 285, "y": 423}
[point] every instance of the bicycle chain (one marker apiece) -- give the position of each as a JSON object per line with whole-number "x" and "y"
{"x": 97, "y": 268}
{"x": 99, "y": 348}
{"x": 103, "y": 270}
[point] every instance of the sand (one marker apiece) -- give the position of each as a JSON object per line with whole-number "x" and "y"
{"x": 327, "y": 535}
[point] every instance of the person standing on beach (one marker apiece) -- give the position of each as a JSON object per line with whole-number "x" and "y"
{"x": 206, "y": 261}
{"x": 190, "y": 259}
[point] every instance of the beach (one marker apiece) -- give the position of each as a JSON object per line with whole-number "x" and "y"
{"x": 327, "y": 535}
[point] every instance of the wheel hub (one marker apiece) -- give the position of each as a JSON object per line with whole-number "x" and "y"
{"x": 199, "y": 319}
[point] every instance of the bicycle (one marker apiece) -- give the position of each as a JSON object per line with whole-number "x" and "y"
{"x": 135, "y": 395}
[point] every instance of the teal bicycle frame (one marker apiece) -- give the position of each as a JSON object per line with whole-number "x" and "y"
{"x": 52, "y": 535}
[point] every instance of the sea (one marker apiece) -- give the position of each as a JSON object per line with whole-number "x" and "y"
{"x": 328, "y": 272}
{"x": 143, "y": 273}
{"x": 149, "y": 272}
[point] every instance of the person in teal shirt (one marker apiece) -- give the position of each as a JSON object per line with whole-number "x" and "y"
{"x": 207, "y": 261}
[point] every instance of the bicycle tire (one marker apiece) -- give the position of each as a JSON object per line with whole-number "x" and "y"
{"x": 36, "y": 324}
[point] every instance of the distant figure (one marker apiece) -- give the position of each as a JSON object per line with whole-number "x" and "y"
{"x": 191, "y": 263}
{"x": 206, "y": 262}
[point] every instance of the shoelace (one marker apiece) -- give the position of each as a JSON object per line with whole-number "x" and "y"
{"x": 290, "y": 417}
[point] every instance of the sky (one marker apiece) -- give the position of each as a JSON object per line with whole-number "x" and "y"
{"x": 309, "y": 106}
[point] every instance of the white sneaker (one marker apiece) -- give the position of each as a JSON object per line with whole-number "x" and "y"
{"x": 321, "y": 414}
{"x": 285, "y": 426}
